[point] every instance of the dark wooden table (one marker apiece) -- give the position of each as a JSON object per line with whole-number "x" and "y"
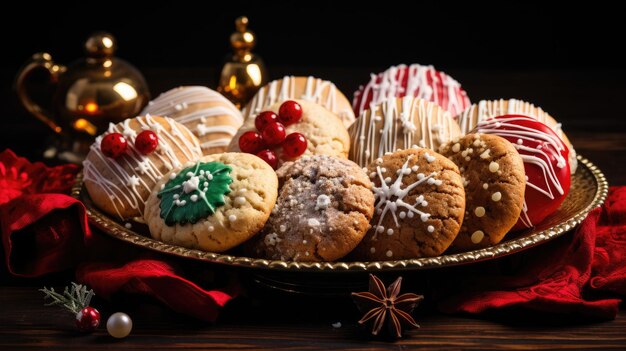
{"x": 586, "y": 101}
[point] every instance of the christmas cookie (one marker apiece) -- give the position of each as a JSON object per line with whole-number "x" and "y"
{"x": 208, "y": 114}
{"x": 399, "y": 124}
{"x": 292, "y": 128}
{"x": 213, "y": 204}
{"x": 493, "y": 176}
{"x": 486, "y": 109}
{"x": 545, "y": 159}
{"x": 323, "y": 211}
{"x": 418, "y": 81}
{"x": 419, "y": 206}
{"x": 124, "y": 163}
{"x": 311, "y": 89}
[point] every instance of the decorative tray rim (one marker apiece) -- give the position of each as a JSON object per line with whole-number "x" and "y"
{"x": 117, "y": 230}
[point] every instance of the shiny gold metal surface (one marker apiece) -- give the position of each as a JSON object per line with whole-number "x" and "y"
{"x": 589, "y": 190}
{"x": 89, "y": 94}
{"x": 243, "y": 72}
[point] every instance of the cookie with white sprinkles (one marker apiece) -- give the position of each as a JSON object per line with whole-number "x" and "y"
{"x": 419, "y": 207}
{"x": 494, "y": 180}
{"x": 213, "y": 204}
{"x": 323, "y": 211}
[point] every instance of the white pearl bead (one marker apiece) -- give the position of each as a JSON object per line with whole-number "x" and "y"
{"x": 119, "y": 325}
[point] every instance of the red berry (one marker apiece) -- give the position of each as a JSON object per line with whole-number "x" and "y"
{"x": 270, "y": 157}
{"x": 274, "y": 133}
{"x": 289, "y": 112}
{"x": 146, "y": 142}
{"x": 113, "y": 145}
{"x": 294, "y": 145}
{"x": 88, "y": 319}
{"x": 264, "y": 118}
{"x": 251, "y": 142}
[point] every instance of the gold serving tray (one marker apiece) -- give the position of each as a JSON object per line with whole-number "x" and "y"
{"x": 588, "y": 190}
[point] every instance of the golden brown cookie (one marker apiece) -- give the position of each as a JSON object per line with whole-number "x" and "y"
{"x": 399, "y": 124}
{"x": 485, "y": 109}
{"x": 208, "y": 114}
{"x": 120, "y": 187}
{"x": 323, "y": 211}
{"x": 321, "y": 92}
{"x": 214, "y": 204}
{"x": 323, "y": 130}
{"x": 494, "y": 180}
{"x": 419, "y": 206}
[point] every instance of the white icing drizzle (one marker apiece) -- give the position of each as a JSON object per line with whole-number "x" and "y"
{"x": 316, "y": 90}
{"x": 134, "y": 171}
{"x": 399, "y": 124}
{"x": 485, "y": 109}
{"x": 422, "y": 82}
{"x": 390, "y": 198}
{"x": 550, "y": 146}
{"x": 174, "y": 103}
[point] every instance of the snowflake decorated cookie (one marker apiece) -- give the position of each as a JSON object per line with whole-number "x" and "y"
{"x": 399, "y": 124}
{"x": 323, "y": 211}
{"x": 285, "y": 131}
{"x": 213, "y": 204}
{"x": 493, "y": 176}
{"x": 208, "y": 114}
{"x": 319, "y": 91}
{"x": 419, "y": 81}
{"x": 124, "y": 163}
{"x": 545, "y": 159}
{"x": 419, "y": 206}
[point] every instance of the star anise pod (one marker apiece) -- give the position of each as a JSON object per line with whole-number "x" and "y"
{"x": 383, "y": 306}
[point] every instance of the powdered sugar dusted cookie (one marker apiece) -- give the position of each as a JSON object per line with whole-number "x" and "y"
{"x": 486, "y": 109}
{"x": 545, "y": 159}
{"x": 208, "y": 114}
{"x": 399, "y": 124}
{"x": 214, "y": 204}
{"x": 423, "y": 82}
{"x": 124, "y": 164}
{"x": 322, "y": 213}
{"x": 494, "y": 181}
{"x": 419, "y": 206}
{"x": 321, "y": 92}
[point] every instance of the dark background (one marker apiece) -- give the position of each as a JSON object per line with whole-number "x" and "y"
{"x": 567, "y": 58}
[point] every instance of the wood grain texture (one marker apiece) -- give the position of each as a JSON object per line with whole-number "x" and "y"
{"x": 24, "y": 323}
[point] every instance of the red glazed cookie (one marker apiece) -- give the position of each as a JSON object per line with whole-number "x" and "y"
{"x": 545, "y": 159}
{"x": 494, "y": 180}
{"x": 418, "y": 81}
{"x": 419, "y": 206}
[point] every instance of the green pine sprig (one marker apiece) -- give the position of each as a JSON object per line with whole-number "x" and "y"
{"x": 74, "y": 297}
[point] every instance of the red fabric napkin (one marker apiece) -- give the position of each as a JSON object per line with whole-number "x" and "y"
{"x": 562, "y": 279}
{"x": 44, "y": 231}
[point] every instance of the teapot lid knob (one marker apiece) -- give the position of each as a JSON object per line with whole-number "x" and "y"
{"x": 100, "y": 45}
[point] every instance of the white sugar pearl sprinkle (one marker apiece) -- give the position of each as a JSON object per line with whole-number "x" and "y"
{"x": 497, "y": 196}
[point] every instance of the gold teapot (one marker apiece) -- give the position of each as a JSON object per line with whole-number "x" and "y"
{"x": 243, "y": 72}
{"x": 88, "y": 94}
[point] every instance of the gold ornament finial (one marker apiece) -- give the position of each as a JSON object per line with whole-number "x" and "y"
{"x": 100, "y": 44}
{"x": 243, "y": 72}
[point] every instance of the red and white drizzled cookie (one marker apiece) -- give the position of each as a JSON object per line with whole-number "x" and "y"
{"x": 545, "y": 163}
{"x": 419, "y": 81}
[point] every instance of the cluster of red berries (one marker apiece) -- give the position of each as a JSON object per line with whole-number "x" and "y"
{"x": 114, "y": 145}
{"x": 271, "y": 134}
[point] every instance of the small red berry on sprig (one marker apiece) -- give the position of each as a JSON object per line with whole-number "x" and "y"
{"x": 76, "y": 299}
{"x": 271, "y": 133}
